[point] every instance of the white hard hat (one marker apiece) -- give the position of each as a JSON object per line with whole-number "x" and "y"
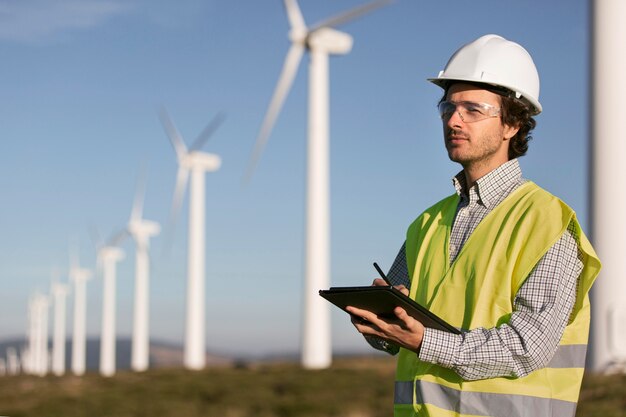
{"x": 493, "y": 60}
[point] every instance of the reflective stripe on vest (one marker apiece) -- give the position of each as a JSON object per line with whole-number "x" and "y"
{"x": 569, "y": 356}
{"x": 480, "y": 403}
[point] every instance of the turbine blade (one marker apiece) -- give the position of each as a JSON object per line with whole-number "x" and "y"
{"x": 99, "y": 263}
{"x": 74, "y": 261}
{"x": 349, "y": 15}
{"x": 118, "y": 238}
{"x": 294, "y": 15}
{"x": 289, "y": 71}
{"x": 207, "y": 132}
{"x": 179, "y": 193}
{"x": 140, "y": 192}
{"x": 55, "y": 275}
{"x": 172, "y": 133}
{"x": 94, "y": 234}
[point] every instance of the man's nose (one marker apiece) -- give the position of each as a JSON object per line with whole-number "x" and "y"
{"x": 455, "y": 119}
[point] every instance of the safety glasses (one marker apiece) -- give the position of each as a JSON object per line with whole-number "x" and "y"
{"x": 469, "y": 111}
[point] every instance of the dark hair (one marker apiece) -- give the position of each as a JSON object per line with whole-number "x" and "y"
{"x": 514, "y": 112}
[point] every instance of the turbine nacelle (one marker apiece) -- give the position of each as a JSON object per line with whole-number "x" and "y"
{"x": 208, "y": 162}
{"x": 143, "y": 228}
{"x": 40, "y": 301}
{"x": 59, "y": 290}
{"x": 330, "y": 40}
{"x": 80, "y": 274}
{"x": 110, "y": 254}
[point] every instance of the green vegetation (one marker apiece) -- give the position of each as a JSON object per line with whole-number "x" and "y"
{"x": 355, "y": 387}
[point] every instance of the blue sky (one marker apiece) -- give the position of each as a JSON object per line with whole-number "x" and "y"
{"x": 81, "y": 85}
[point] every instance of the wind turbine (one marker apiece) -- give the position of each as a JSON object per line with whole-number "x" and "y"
{"x": 141, "y": 231}
{"x": 38, "y": 335}
{"x": 31, "y": 365}
{"x": 59, "y": 293}
{"x": 13, "y": 361}
{"x": 198, "y": 163}
{"x": 79, "y": 276}
{"x": 108, "y": 257}
{"x": 31, "y": 335}
{"x": 608, "y": 309}
{"x": 321, "y": 40}
{"x": 42, "y": 348}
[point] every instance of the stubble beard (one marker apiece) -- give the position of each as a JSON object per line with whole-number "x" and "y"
{"x": 478, "y": 152}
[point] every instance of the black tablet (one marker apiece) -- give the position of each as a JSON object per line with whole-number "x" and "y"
{"x": 382, "y": 301}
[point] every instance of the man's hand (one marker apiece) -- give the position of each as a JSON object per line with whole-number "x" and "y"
{"x": 379, "y": 282}
{"x": 404, "y": 331}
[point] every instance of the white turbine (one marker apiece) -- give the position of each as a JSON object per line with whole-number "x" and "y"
{"x": 198, "y": 163}
{"x": 31, "y": 336}
{"x": 13, "y": 361}
{"x": 321, "y": 40}
{"x": 79, "y": 276}
{"x": 608, "y": 86}
{"x": 42, "y": 350}
{"x": 30, "y": 364}
{"x": 108, "y": 256}
{"x": 38, "y": 335}
{"x": 59, "y": 294}
{"x": 141, "y": 231}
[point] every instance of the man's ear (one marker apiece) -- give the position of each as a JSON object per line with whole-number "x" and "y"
{"x": 510, "y": 131}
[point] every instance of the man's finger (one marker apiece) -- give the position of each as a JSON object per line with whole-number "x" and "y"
{"x": 403, "y": 316}
{"x": 378, "y": 282}
{"x": 404, "y": 290}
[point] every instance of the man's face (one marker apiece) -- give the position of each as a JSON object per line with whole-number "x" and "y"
{"x": 482, "y": 144}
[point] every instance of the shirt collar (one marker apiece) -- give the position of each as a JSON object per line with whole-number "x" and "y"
{"x": 491, "y": 186}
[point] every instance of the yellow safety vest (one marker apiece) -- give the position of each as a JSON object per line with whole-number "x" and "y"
{"x": 477, "y": 290}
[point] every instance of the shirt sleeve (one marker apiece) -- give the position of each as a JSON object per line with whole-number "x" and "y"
{"x": 541, "y": 311}
{"x": 398, "y": 275}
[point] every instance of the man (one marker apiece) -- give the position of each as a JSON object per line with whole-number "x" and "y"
{"x": 501, "y": 259}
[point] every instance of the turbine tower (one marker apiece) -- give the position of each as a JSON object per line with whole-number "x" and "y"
{"x": 79, "y": 276}
{"x": 141, "y": 231}
{"x": 43, "y": 305}
{"x": 608, "y": 86}
{"x": 13, "y": 361}
{"x": 31, "y": 334}
{"x": 321, "y": 40}
{"x": 59, "y": 294}
{"x": 108, "y": 257}
{"x": 198, "y": 163}
{"x": 38, "y": 335}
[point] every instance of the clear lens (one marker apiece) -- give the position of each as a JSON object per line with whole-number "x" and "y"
{"x": 469, "y": 111}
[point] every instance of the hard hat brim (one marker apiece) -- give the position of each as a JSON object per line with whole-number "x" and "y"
{"x": 534, "y": 105}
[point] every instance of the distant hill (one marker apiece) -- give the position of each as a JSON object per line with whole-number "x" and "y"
{"x": 162, "y": 354}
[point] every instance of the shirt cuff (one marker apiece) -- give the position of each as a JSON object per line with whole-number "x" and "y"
{"x": 439, "y": 347}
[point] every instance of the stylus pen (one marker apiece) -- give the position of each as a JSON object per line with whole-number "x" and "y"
{"x": 382, "y": 274}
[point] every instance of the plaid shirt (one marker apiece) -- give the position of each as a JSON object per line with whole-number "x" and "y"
{"x": 541, "y": 307}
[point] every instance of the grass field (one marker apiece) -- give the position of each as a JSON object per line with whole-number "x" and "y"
{"x": 353, "y": 387}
